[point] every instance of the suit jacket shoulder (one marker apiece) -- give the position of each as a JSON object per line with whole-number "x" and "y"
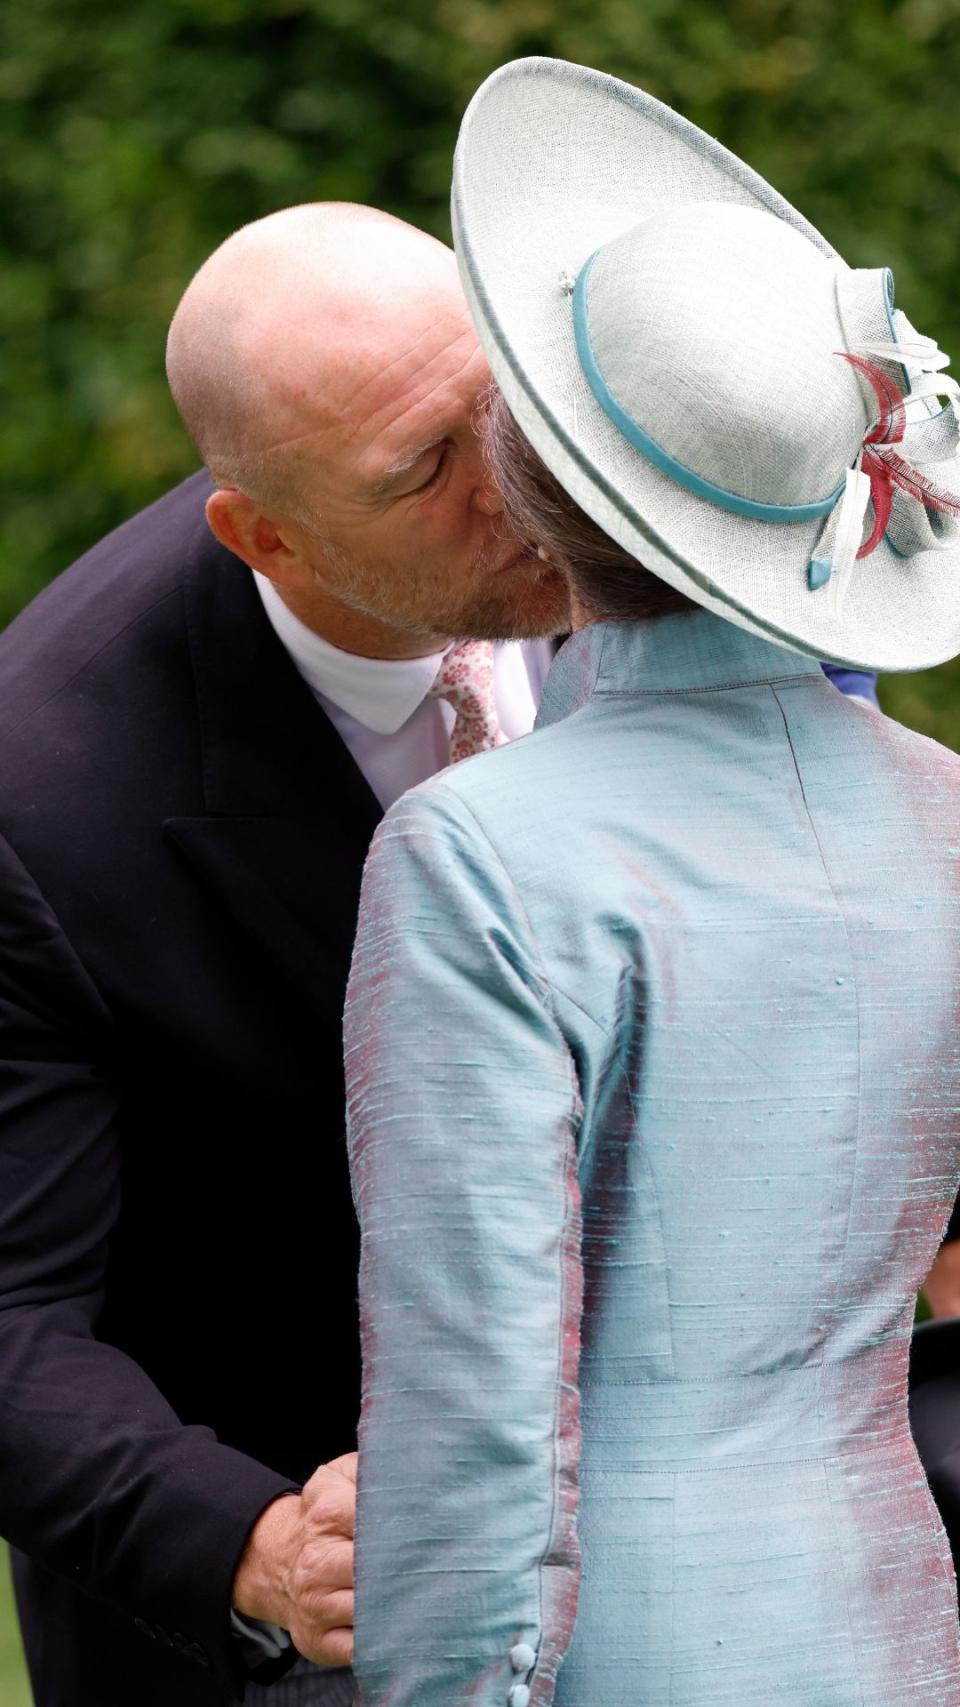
{"x": 113, "y": 586}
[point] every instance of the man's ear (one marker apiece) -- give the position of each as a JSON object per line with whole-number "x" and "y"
{"x": 268, "y": 545}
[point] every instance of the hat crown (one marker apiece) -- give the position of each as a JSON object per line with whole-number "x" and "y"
{"x": 715, "y": 328}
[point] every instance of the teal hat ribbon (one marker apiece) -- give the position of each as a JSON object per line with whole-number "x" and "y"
{"x": 655, "y": 453}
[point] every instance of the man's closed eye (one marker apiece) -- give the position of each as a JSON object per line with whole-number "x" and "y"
{"x": 433, "y": 478}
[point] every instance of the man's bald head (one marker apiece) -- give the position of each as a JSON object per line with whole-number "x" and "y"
{"x": 277, "y": 329}
{"x": 326, "y": 365}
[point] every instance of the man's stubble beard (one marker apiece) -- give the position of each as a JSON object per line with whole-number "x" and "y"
{"x": 535, "y": 607}
{"x": 532, "y": 603}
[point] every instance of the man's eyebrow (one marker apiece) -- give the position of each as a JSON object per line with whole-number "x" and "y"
{"x": 388, "y": 479}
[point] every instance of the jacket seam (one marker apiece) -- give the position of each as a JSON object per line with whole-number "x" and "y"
{"x": 856, "y": 990}
{"x": 703, "y": 688}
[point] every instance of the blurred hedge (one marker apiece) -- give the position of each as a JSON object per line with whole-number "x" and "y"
{"x": 135, "y": 138}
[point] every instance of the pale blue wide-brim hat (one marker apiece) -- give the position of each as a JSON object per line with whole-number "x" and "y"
{"x": 752, "y": 419}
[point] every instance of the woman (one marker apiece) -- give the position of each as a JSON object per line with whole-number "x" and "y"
{"x": 651, "y": 1036}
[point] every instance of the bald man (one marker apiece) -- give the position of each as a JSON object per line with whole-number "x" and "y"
{"x": 202, "y": 722}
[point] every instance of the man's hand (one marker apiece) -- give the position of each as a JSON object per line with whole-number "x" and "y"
{"x": 297, "y": 1567}
{"x": 942, "y": 1285}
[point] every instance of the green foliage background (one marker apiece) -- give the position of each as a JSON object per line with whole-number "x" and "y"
{"x": 136, "y": 138}
{"x": 14, "y": 1689}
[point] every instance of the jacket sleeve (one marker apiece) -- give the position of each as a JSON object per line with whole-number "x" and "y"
{"x": 99, "y": 1480}
{"x": 463, "y": 1109}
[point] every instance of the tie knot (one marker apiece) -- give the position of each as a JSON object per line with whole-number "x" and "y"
{"x": 466, "y": 674}
{"x": 465, "y": 681}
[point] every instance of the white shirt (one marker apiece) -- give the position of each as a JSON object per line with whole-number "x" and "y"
{"x": 380, "y": 706}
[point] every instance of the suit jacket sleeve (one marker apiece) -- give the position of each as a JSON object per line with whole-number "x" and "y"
{"x": 99, "y": 1480}
{"x": 463, "y": 1108}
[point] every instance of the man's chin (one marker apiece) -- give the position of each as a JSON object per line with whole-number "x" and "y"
{"x": 533, "y": 604}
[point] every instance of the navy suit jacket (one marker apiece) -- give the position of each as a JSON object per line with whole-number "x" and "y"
{"x": 182, "y": 834}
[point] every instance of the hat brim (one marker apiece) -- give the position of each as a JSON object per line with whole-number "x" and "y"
{"x": 554, "y": 160}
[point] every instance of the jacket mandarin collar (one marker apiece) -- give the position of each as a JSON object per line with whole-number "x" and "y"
{"x": 669, "y": 654}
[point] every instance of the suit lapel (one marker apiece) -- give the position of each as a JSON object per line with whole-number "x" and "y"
{"x": 289, "y": 816}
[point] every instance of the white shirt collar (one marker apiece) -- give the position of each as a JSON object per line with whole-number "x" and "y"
{"x": 380, "y": 693}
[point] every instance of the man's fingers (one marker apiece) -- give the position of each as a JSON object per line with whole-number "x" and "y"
{"x": 342, "y": 1469}
{"x": 346, "y": 1465}
{"x": 334, "y": 1518}
{"x": 338, "y": 1648}
{"x": 324, "y": 1563}
{"x": 329, "y": 1611}
{"x": 330, "y": 1496}
{"x": 335, "y": 1649}
{"x": 321, "y": 1579}
{"x": 323, "y": 1629}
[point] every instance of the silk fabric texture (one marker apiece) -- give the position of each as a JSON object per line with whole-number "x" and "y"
{"x": 657, "y": 1006}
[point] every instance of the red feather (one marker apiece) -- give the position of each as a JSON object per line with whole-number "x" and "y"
{"x": 885, "y": 468}
{"x": 892, "y": 422}
{"x": 917, "y": 485}
{"x": 881, "y": 496}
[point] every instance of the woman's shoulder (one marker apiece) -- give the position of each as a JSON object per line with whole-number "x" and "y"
{"x": 487, "y": 786}
{"x": 471, "y": 813}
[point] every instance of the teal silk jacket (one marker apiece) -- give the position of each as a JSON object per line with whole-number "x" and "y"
{"x": 654, "y": 1120}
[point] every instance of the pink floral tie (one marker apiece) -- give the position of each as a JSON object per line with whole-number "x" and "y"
{"x": 465, "y": 680}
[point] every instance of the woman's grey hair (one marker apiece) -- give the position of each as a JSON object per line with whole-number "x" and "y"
{"x": 609, "y": 583}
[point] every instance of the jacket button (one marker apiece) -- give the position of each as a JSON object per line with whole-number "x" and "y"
{"x": 522, "y": 1656}
{"x": 145, "y": 1629}
{"x": 518, "y": 1696}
